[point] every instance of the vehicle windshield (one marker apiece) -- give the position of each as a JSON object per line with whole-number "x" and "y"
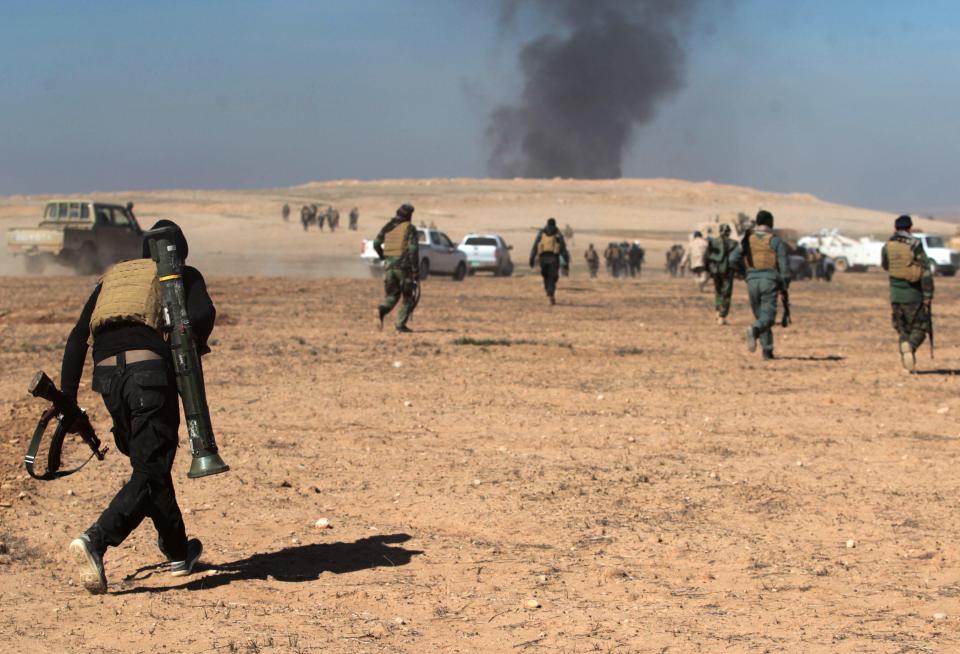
{"x": 480, "y": 240}
{"x": 935, "y": 242}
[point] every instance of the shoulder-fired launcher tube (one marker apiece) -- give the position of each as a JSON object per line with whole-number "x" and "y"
{"x": 186, "y": 359}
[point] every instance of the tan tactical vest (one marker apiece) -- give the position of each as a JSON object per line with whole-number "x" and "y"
{"x": 762, "y": 252}
{"x": 129, "y": 292}
{"x": 393, "y": 240}
{"x": 900, "y": 262}
{"x": 549, "y": 243}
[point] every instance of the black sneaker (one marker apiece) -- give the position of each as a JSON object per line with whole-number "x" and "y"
{"x": 89, "y": 565}
{"x": 751, "y": 339}
{"x": 183, "y": 568}
{"x": 380, "y": 315}
{"x": 553, "y": 300}
{"x": 403, "y": 329}
{"x": 768, "y": 355}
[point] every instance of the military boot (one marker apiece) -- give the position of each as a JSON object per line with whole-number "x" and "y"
{"x": 380, "y": 314}
{"x": 752, "y": 339}
{"x": 907, "y": 357}
{"x": 768, "y": 355}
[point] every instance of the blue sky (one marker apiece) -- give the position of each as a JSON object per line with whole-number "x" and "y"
{"x": 854, "y": 101}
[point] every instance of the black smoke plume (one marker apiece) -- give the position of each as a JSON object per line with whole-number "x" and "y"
{"x": 588, "y": 83}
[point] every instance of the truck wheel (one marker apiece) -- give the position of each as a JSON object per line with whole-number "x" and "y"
{"x": 841, "y": 264}
{"x": 87, "y": 261}
{"x": 424, "y": 269}
{"x": 460, "y": 272}
{"x": 34, "y": 265}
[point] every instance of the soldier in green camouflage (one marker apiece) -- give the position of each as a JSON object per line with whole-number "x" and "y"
{"x": 911, "y": 289}
{"x": 768, "y": 270}
{"x": 719, "y": 252}
{"x": 398, "y": 248}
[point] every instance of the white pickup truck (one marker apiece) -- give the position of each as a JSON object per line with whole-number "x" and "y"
{"x": 849, "y": 254}
{"x": 438, "y": 256}
{"x": 487, "y": 252}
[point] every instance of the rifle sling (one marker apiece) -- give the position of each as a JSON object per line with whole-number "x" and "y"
{"x": 53, "y": 454}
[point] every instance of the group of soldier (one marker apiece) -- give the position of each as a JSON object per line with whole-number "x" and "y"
{"x": 123, "y": 320}
{"x": 622, "y": 259}
{"x": 313, "y": 214}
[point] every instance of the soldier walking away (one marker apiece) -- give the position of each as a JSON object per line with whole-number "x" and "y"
{"x": 636, "y": 256}
{"x": 614, "y": 258}
{"x": 354, "y": 219}
{"x": 765, "y": 258}
{"x": 695, "y": 256}
{"x": 568, "y": 232}
{"x": 333, "y": 218}
{"x": 133, "y": 371}
{"x": 911, "y": 289}
{"x": 674, "y": 256}
{"x": 397, "y": 245}
{"x": 305, "y": 217}
{"x": 722, "y": 273}
{"x": 285, "y": 212}
{"x": 321, "y": 217}
{"x": 550, "y": 249}
{"x": 593, "y": 261}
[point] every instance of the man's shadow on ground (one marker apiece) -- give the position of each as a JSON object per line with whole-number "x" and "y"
{"x": 293, "y": 564}
{"x": 938, "y": 371}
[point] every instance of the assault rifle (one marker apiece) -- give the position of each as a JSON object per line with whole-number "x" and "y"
{"x": 70, "y": 418}
{"x": 785, "y": 297}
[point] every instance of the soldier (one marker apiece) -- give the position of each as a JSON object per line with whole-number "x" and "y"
{"x": 593, "y": 261}
{"x": 695, "y": 256}
{"x": 636, "y": 256}
{"x": 768, "y": 270}
{"x": 718, "y": 264}
{"x": 397, "y": 245}
{"x": 354, "y": 219}
{"x": 550, "y": 249}
{"x": 911, "y": 289}
{"x": 333, "y": 218}
{"x": 134, "y": 374}
{"x": 612, "y": 257}
{"x": 305, "y": 217}
{"x": 624, "y": 248}
{"x": 285, "y": 212}
{"x": 568, "y": 232}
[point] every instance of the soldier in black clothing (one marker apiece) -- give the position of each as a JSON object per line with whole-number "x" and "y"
{"x": 134, "y": 374}
{"x": 550, "y": 249}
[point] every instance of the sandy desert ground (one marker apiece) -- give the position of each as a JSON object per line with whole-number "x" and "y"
{"x": 619, "y": 460}
{"x": 241, "y": 233}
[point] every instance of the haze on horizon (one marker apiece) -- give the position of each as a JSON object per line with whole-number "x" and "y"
{"x": 853, "y": 102}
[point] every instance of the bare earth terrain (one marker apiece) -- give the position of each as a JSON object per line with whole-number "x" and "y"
{"x": 241, "y": 232}
{"x": 618, "y": 461}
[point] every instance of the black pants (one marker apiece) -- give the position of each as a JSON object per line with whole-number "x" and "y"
{"x": 550, "y": 269}
{"x": 142, "y": 400}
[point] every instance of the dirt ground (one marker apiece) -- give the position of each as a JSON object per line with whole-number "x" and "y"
{"x": 619, "y": 461}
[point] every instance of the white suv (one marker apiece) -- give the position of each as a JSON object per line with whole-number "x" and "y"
{"x": 487, "y": 252}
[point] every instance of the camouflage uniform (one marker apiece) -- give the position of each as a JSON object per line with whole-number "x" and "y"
{"x": 354, "y": 219}
{"x": 718, "y": 264}
{"x": 911, "y": 291}
{"x": 401, "y": 261}
{"x": 768, "y": 270}
{"x": 593, "y": 261}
